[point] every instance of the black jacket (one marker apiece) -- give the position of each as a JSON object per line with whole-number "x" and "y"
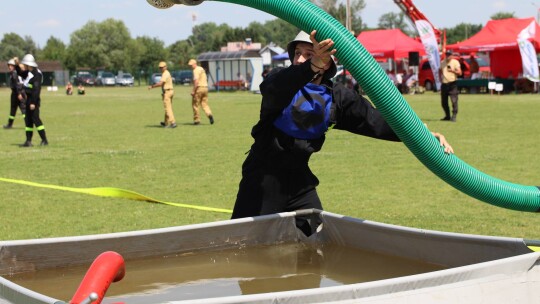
{"x": 275, "y": 175}
{"x": 16, "y": 85}
{"x": 33, "y": 89}
{"x": 350, "y": 111}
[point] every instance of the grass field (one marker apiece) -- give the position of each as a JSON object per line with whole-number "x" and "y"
{"x": 111, "y": 137}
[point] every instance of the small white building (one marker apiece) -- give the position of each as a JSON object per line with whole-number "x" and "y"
{"x": 268, "y": 52}
{"x": 226, "y": 66}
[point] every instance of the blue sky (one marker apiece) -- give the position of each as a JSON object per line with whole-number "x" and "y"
{"x": 41, "y": 19}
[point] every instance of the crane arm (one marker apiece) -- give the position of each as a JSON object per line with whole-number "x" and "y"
{"x": 414, "y": 14}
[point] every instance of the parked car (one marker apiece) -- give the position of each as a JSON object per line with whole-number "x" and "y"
{"x": 425, "y": 75}
{"x": 155, "y": 78}
{"x": 105, "y": 79}
{"x": 183, "y": 77}
{"x": 124, "y": 79}
{"x": 85, "y": 78}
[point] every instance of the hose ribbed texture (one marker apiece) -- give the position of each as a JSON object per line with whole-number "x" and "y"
{"x": 389, "y": 101}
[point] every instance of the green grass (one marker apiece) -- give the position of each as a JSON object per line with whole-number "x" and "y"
{"x": 111, "y": 137}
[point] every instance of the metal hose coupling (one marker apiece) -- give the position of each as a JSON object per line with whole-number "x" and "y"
{"x": 163, "y": 4}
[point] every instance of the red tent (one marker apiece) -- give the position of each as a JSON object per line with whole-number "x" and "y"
{"x": 383, "y": 44}
{"x": 499, "y": 38}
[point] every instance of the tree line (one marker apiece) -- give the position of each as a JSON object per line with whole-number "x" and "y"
{"x": 108, "y": 44}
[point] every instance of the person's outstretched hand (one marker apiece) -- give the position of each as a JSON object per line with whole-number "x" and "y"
{"x": 323, "y": 51}
{"x": 442, "y": 140}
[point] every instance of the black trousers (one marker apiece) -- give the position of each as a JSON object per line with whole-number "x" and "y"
{"x": 449, "y": 90}
{"x": 32, "y": 119}
{"x": 16, "y": 103}
{"x": 276, "y": 185}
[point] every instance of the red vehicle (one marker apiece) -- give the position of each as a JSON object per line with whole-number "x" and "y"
{"x": 425, "y": 75}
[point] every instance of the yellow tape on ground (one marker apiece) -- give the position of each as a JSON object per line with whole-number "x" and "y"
{"x": 534, "y": 248}
{"x": 113, "y": 192}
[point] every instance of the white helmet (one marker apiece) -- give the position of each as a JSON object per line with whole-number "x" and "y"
{"x": 29, "y": 60}
{"x": 11, "y": 62}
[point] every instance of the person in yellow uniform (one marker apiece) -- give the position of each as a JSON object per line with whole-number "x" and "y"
{"x": 199, "y": 93}
{"x": 167, "y": 94}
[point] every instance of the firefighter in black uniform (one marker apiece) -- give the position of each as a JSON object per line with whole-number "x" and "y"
{"x": 17, "y": 92}
{"x": 299, "y": 105}
{"x": 32, "y": 86}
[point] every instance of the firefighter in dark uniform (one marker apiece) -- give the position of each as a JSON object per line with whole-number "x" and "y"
{"x": 299, "y": 105}
{"x": 32, "y": 87}
{"x": 17, "y": 92}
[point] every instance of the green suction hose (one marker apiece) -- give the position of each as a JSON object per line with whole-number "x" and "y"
{"x": 395, "y": 109}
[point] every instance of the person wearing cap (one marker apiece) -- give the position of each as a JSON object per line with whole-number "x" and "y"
{"x": 17, "y": 93}
{"x": 300, "y": 104}
{"x": 32, "y": 86}
{"x": 167, "y": 94}
{"x": 449, "y": 71}
{"x": 199, "y": 94}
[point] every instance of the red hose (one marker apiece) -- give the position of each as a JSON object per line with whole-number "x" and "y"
{"x": 108, "y": 267}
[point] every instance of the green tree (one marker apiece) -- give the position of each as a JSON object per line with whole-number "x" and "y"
{"x": 54, "y": 49}
{"x": 180, "y": 53}
{"x": 396, "y": 21}
{"x": 461, "y": 32}
{"x": 85, "y": 48}
{"x": 230, "y": 35}
{"x": 13, "y": 45}
{"x": 502, "y": 15}
{"x": 9, "y": 51}
{"x": 152, "y": 51}
{"x": 278, "y": 31}
{"x": 208, "y": 37}
{"x": 131, "y": 57}
{"x": 116, "y": 44}
{"x": 100, "y": 45}
{"x": 339, "y": 12}
{"x": 30, "y": 47}
{"x": 16, "y": 42}
{"x": 256, "y": 31}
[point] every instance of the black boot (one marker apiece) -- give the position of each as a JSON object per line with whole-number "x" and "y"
{"x": 9, "y": 124}
{"x": 43, "y": 136}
